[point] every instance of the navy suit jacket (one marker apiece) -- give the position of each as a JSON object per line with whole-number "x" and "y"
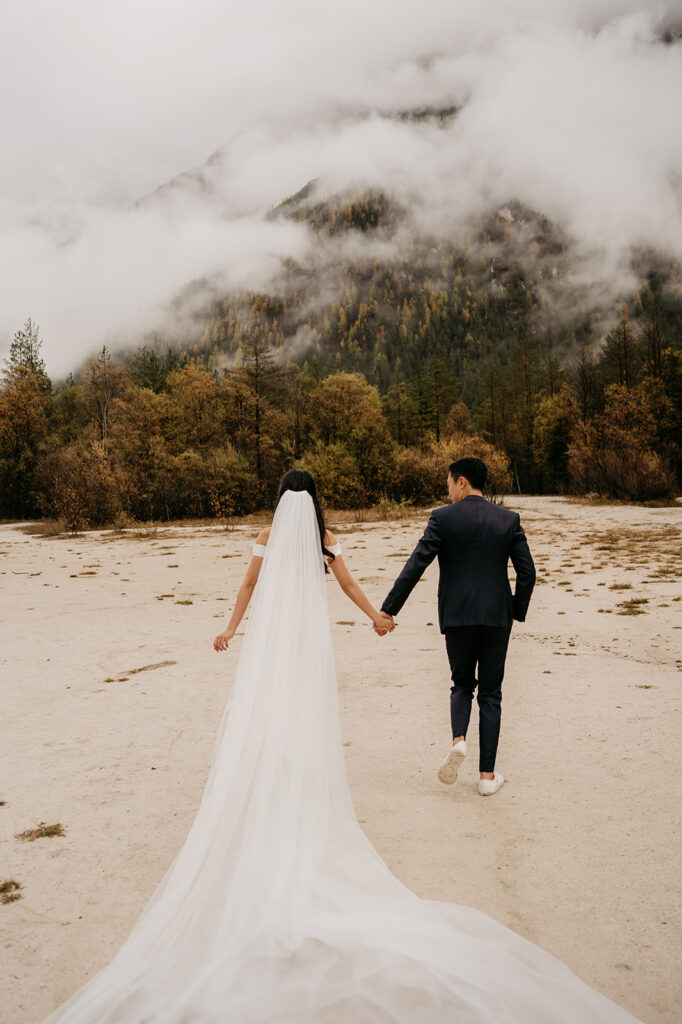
{"x": 473, "y": 541}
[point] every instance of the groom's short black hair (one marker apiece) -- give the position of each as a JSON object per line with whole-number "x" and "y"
{"x": 473, "y": 470}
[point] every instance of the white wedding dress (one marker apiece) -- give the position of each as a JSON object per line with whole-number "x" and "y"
{"x": 277, "y": 908}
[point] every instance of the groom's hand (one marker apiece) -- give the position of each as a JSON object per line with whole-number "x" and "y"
{"x": 384, "y": 625}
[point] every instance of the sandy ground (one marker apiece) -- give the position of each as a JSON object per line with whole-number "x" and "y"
{"x": 579, "y": 851}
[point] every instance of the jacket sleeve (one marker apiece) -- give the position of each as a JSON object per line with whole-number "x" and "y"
{"x": 422, "y": 556}
{"x": 525, "y": 571}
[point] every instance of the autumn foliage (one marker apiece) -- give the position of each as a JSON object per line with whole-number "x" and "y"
{"x": 175, "y": 435}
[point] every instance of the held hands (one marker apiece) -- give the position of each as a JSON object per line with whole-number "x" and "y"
{"x": 383, "y": 623}
{"x": 222, "y": 641}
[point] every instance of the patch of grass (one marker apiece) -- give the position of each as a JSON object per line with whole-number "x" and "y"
{"x": 642, "y": 541}
{"x": 9, "y": 891}
{"x": 185, "y": 602}
{"x": 150, "y": 668}
{"x": 41, "y": 831}
{"x": 43, "y": 528}
{"x": 633, "y": 606}
{"x": 621, "y": 586}
{"x": 161, "y": 597}
{"x": 142, "y": 668}
{"x": 144, "y": 532}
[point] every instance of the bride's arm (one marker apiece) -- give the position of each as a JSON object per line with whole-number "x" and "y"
{"x": 244, "y": 593}
{"x": 354, "y": 591}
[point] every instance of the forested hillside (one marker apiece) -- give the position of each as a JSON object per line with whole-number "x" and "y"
{"x": 385, "y": 355}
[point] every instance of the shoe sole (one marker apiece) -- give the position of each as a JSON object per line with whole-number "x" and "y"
{"x": 447, "y": 772}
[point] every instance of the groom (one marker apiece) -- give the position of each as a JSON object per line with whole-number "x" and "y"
{"x": 473, "y": 540}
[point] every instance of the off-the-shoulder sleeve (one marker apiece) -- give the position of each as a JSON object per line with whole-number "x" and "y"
{"x": 335, "y": 549}
{"x": 259, "y": 550}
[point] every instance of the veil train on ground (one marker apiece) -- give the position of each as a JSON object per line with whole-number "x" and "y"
{"x": 277, "y": 908}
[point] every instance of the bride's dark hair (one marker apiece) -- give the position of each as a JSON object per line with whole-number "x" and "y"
{"x": 302, "y": 480}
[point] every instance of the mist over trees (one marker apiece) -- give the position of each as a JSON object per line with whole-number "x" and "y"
{"x": 373, "y": 372}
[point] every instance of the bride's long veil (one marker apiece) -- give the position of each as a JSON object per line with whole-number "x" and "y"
{"x": 277, "y": 908}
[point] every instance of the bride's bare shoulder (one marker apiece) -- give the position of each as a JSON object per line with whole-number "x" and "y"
{"x": 329, "y": 539}
{"x": 263, "y": 535}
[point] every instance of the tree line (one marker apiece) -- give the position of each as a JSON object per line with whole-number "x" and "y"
{"x": 162, "y": 436}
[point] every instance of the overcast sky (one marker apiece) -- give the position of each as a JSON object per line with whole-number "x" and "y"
{"x": 571, "y": 106}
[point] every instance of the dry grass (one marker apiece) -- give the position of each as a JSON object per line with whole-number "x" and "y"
{"x": 631, "y": 540}
{"x": 44, "y": 528}
{"x": 128, "y": 529}
{"x": 150, "y": 668}
{"x": 596, "y": 500}
{"x": 633, "y": 606}
{"x": 41, "y": 831}
{"x": 9, "y": 891}
{"x": 125, "y": 676}
{"x": 143, "y": 532}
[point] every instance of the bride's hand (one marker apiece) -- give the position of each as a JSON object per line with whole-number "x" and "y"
{"x": 383, "y": 623}
{"x": 222, "y": 641}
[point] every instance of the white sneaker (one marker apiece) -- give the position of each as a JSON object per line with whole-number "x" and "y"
{"x": 486, "y": 787}
{"x": 447, "y": 772}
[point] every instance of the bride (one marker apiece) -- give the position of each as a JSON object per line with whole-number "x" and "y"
{"x": 277, "y": 908}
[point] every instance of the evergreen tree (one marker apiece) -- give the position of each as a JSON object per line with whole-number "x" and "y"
{"x": 25, "y": 349}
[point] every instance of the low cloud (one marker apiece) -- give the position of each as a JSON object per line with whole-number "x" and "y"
{"x": 567, "y": 106}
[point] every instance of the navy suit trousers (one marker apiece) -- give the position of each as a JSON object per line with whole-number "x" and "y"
{"x": 485, "y": 647}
